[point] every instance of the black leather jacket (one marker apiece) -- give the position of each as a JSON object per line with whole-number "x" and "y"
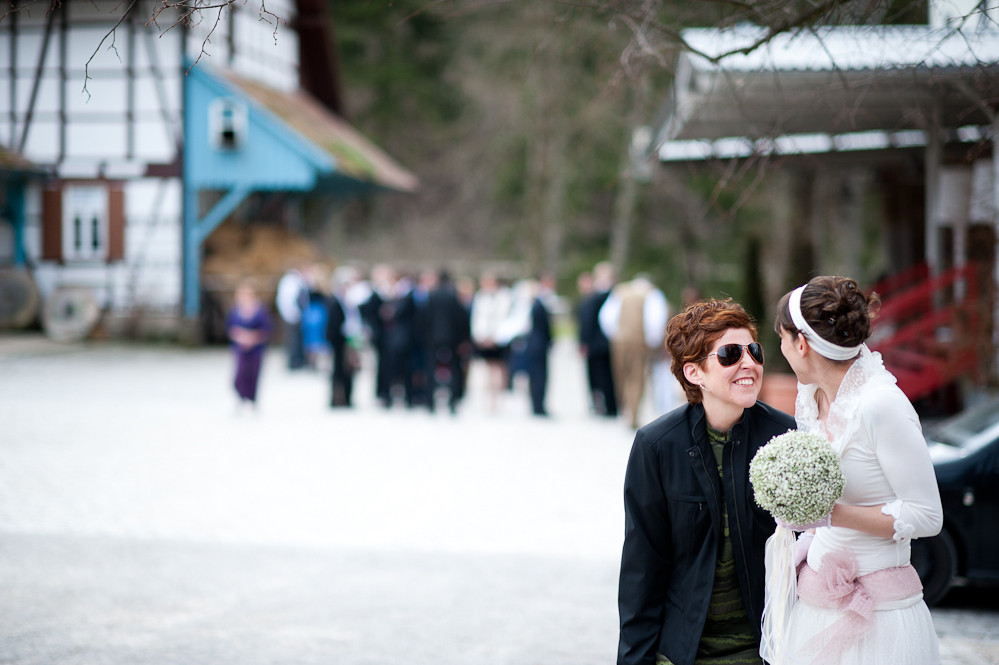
{"x": 673, "y": 528}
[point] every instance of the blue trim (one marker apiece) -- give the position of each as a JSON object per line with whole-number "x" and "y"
{"x": 15, "y": 201}
{"x": 191, "y": 253}
{"x": 217, "y": 215}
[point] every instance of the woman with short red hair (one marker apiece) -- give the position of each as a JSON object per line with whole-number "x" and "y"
{"x": 692, "y": 571}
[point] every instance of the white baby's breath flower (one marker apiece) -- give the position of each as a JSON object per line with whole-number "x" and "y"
{"x": 796, "y": 477}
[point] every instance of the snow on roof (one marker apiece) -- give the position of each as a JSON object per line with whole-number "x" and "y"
{"x": 838, "y": 48}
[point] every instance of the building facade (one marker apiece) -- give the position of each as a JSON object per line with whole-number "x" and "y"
{"x": 146, "y": 130}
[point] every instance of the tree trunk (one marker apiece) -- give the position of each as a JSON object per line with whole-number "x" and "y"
{"x": 624, "y": 214}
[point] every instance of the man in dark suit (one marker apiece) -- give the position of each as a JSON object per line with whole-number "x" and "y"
{"x": 594, "y": 344}
{"x": 539, "y": 341}
{"x": 401, "y": 333}
{"x": 446, "y": 329}
{"x": 342, "y": 378}
{"x": 376, "y": 313}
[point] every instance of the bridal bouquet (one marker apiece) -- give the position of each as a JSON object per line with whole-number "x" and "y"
{"x": 796, "y": 477}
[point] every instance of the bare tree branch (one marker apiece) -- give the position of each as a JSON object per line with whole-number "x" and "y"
{"x": 113, "y": 35}
{"x": 189, "y": 13}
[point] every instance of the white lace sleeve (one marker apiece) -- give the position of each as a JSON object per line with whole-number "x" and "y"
{"x": 905, "y": 461}
{"x": 903, "y": 530}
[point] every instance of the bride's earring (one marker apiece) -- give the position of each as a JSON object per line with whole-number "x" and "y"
{"x": 704, "y": 387}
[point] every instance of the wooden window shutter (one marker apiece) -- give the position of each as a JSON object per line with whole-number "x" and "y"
{"x": 116, "y": 221}
{"x": 52, "y": 222}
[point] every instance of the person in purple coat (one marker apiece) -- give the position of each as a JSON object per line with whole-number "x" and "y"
{"x": 249, "y": 328}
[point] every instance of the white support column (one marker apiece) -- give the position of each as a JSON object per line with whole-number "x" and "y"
{"x": 958, "y": 221}
{"x": 934, "y": 158}
{"x": 818, "y": 222}
{"x": 995, "y": 222}
{"x": 852, "y": 233}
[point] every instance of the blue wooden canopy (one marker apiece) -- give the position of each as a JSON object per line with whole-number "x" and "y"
{"x": 243, "y": 137}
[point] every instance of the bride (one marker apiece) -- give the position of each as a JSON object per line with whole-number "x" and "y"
{"x": 859, "y": 600}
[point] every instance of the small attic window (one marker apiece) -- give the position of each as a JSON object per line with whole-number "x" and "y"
{"x": 226, "y": 124}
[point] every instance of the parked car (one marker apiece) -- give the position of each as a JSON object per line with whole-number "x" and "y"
{"x": 965, "y": 453}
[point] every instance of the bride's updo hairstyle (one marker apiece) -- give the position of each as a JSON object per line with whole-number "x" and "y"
{"x": 835, "y": 308}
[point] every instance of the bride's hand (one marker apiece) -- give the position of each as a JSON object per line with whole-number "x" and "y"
{"x": 824, "y": 521}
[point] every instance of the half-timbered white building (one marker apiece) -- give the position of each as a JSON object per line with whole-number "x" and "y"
{"x": 126, "y": 141}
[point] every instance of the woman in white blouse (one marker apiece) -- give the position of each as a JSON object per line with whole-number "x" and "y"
{"x": 859, "y": 600}
{"x": 491, "y": 307}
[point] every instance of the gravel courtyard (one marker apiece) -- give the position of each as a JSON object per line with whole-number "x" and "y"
{"x": 143, "y": 520}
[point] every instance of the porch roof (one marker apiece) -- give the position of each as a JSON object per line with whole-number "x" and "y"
{"x": 354, "y": 155}
{"x": 12, "y": 162}
{"x": 825, "y": 90}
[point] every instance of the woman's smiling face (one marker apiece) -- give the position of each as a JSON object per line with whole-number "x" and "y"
{"x": 727, "y": 391}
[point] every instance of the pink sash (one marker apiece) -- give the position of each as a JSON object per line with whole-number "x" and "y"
{"x": 837, "y": 586}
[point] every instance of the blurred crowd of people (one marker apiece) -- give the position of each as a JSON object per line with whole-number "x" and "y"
{"x": 423, "y": 331}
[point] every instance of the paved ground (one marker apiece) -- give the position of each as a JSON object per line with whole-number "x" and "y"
{"x": 144, "y": 521}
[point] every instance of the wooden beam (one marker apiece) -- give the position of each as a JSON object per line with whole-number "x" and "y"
{"x": 39, "y": 68}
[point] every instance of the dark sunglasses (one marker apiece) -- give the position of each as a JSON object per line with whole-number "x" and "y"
{"x": 730, "y": 354}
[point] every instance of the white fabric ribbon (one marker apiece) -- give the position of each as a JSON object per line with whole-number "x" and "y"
{"x": 780, "y": 596}
{"x": 822, "y": 347}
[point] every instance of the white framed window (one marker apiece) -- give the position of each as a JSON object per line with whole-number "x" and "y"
{"x": 84, "y": 223}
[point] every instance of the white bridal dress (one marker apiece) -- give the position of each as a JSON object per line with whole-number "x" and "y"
{"x": 876, "y": 432}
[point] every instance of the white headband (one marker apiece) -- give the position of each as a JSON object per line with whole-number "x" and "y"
{"x": 822, "y": 347}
